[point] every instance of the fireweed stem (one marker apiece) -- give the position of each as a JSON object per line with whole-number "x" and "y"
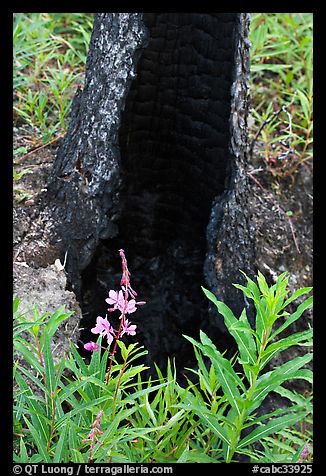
{"x": 241, "y": 417}
{"x": 118, "y": 336}
{"x": 52, "y": 421}
{"x": 118, "y": 386}
{"x": 40, "y": 356}
{"x": 126, "y": 287}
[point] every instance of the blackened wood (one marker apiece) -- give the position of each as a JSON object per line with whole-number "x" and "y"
{"x": 231, "y": 233}
{"x": 84, "y": 199}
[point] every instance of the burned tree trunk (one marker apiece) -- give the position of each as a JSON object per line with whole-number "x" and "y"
{"x": 154, "y": 162}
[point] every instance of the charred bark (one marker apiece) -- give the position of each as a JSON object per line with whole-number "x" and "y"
{"x": 154, "y": 162}
{"x": 231, "y": 230}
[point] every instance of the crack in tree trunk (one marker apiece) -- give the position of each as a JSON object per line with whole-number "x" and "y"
{"x": 154, "y": 162}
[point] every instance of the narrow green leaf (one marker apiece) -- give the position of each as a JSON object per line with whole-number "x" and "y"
{"x": 269, "y": 67}
{"x": 239, "y": 329}
{"x": 74, "y": 441}
{"x": 280, "y": 445}
{"x": 249, "y": 338}
{"x": 78, "y": 359}
{"x": 261, "y": 321}
{"x": 149, "y": 410}
{"x": 83, "y": 371}
{"x": 226, "y": 377}
{"x": 21, "y": 348}
{"x": 15, "y": 304}
{"x": 271, "y": 427}
{"x": 212, "y": 422}
{"x": 270, "y": 380}
{"x": 209, "y": 349}
{"x": 297, "y": 294}
{"x": 94, "y": 367}
{"x": 41, "y": 445}
{"x": 140, "y": 393}
{"x": 263, "y": 286}
{"x": 299, "y": 338}
{"x": 254, "y": 420}
{"x": 37, "y": 411}
{"x": 123, "y": 349}
{"x": 59, "y": 368}
{"x": 55, "y": 320}
{"x": 79, "y": 409}
{"x": 304, "y": 374}
{"x": 111, "y": 437}
{"x": 294, "y": 397}
{"x": 23, "y": 451}
{"x": 25, "y": 326}
{"x": 304, "y": 104}
{"x": 301, "y": 308}
{"x": 174, "y": 419}
{"x": 49, "y": 365}
{"x": 247, "y": 292}
{"x": 33, "y": 378}
{"x": 252, "y": 287}
{"x": 60, "y": 446}
{"x": 196, "y": 457}
{"x": 184, "y": 455}
{"x": 206, "y": 382}
{"x": 78, "y": 457}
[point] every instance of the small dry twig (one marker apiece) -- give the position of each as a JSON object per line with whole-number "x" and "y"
{"x": 21, "y": 159}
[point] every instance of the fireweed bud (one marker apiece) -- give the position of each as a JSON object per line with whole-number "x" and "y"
{"x": 91, "y": 346}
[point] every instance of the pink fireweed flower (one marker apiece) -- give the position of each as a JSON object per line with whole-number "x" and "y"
{"x": 128, "y": 328}
{"x": 116, "y": 299}
{"x": 93, "y": 434}
{"x": 304, "y": 454}
{"x": 130, "y": 306}
{"x": 91, "y": 346}
{"x": 104, "y": 328}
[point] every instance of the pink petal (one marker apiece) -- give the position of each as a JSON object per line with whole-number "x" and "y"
{"x": 113, "y": 297}
{"x": 129, "y": 328}
{"x": 99, "y": 325}
{"x": 109, "y": 338}
{"x": 131, "y": 331}
{"x": 131, "y": 307}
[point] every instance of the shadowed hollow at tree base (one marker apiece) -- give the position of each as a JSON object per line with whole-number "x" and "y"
{"x": 181, "y": 141}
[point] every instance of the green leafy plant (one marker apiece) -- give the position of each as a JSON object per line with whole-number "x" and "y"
{"x": 68, "y": 410}
{"x": 257, "y": 347}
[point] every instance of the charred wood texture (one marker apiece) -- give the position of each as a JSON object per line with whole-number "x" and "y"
{"x": 154, "y": 162}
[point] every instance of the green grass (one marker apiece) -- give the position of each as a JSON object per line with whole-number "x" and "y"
{"x": 282, "y": 89}
{"x": 50, "y": 52}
